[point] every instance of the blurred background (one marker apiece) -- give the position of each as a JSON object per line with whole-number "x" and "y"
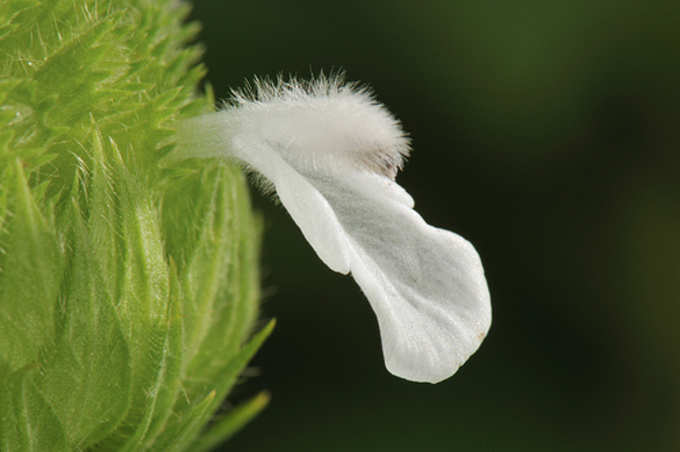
{"x": 546, "y": 133}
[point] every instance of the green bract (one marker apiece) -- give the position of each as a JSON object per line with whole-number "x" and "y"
{"x": 127, "y": 290}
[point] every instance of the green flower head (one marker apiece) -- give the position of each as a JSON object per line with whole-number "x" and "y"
{"x": 128, "y": 290}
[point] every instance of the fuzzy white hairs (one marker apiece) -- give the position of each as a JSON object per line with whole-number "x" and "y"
{"x": 332, "y": 152}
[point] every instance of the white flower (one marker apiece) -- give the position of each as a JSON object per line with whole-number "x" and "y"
{"x": 331, "y": 153}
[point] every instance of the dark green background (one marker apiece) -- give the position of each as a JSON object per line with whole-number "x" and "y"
{"x": 547, "y": 134}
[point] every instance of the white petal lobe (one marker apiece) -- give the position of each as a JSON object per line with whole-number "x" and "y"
{"x": 426, "y": 285}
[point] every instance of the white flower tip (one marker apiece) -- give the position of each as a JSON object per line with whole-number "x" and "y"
{"x": 331, "y": 153}
{"x": 443, "y": 340}
{"x": 425, "y": 284}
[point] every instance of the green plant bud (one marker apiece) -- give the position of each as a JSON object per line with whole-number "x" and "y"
{"x": 128, "y": 289}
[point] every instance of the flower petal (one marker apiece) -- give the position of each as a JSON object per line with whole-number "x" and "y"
{"x": 331, "y": 152}
{"x": 306, "y": 206}
{"x": 425, "y": 284}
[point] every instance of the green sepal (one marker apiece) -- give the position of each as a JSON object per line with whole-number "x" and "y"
{"x": 226, "y": 426}
{"x": 27, "y": 421}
